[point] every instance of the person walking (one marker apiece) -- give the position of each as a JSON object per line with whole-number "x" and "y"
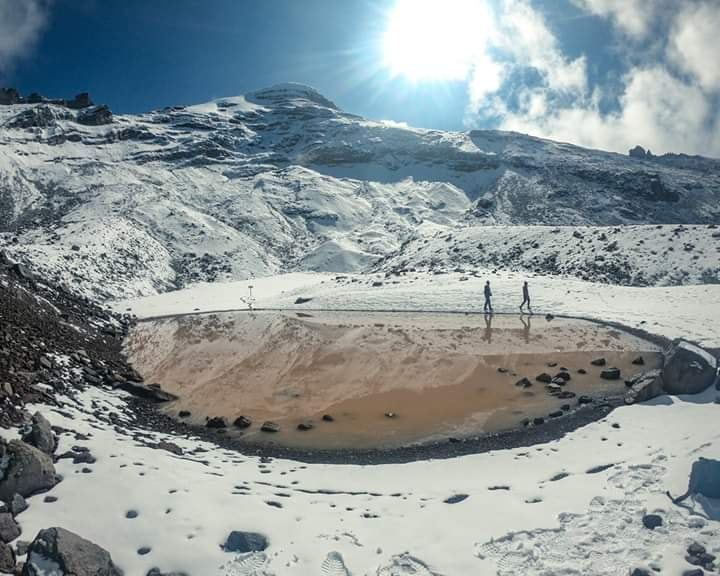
{"x": 488, "y": 295}
{"x": 526, "y": 298}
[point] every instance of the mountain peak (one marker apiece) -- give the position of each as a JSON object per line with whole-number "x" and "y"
{"x": 289, "y": 92}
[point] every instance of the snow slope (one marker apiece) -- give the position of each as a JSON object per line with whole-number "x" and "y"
{"x": 282, "y": 180}
{"x": 572, "y": 506}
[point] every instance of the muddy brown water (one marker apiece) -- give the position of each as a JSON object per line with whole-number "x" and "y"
{"x": 438, "y": 375}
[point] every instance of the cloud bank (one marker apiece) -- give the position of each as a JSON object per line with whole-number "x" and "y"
{"x": 21, "y": 23}
{"x": 666, "y": 96}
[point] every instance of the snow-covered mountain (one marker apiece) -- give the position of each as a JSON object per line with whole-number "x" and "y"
{"x": 281, "y": 179}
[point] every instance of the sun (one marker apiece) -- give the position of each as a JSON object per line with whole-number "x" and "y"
{"x": 433, "y": 40}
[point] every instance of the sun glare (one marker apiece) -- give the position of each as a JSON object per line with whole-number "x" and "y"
{"x": 433, "y": 40}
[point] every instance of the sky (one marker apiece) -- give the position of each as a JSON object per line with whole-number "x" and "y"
{"x": 605, "y": 74}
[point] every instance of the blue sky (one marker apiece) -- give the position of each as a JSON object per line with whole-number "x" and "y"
{"x": 600, "y": 73}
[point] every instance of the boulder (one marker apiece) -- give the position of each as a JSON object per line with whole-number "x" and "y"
{"x": 17, "y": 505}
{"x": 144, "y": 391}
{"x": 688, "y": 369}
{"x": 644, "y": 387}
{"x": 7, "y": 559}
{"x": 9, "y": 530}
{"x": 217, "y": 422}
{"x": 544, "y": 377}
{"x": 244, "y": 542}
{"x": 270, "y": 427}
{"x": 598, "y": 362}
{"x": 59, "y": 551}
{"x": 39, "y": 434}
{"x": 242, "y": 422}
{"x": 610, "y": 374}
{"x": 523, "y": 383}
{"x": 24, "y": 470}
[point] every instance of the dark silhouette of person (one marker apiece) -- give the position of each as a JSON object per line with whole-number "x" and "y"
{"x": 488, "y": 295}
{"x": 526, "y": 298}
{"x": 488, "y": 328}
{"x": 526, "y": 328}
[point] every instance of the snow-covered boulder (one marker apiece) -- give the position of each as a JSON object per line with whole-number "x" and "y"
{"x": 688, "y": 369}
{"x": 24, "y": 470}
{"x": 59, "y": 551}
{"x": 645, "y": 386}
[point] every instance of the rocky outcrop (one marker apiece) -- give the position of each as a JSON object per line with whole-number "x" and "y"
{"x": 39, "y": 434}
{"x": 43, "y": 116}
{"x": 24, "y": 470}
{"x": 95, "y": 116}
{"x": 9, "y": 96}
{"x": 243, "y": 542}
{"x": 688, "y": 369}
{"x": 59, "y": 551}
{"x": 7, "y": 559}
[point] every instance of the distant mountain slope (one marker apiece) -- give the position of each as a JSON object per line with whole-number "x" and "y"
{"x": 281, "y": 179}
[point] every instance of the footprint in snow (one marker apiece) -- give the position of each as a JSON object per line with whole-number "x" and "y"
{"x": 334, "y": 565}
{"x": 406, "y": 565}
{"x": 252, "y": 564}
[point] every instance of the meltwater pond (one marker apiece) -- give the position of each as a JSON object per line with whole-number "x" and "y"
{"x": 386, "y": 379}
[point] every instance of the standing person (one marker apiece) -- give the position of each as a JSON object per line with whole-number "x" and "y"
{"x": 526, "y": 298}
{"x": 488, "y": 295}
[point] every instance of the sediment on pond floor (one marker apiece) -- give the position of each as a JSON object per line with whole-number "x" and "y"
{"x": 333, "y": 381}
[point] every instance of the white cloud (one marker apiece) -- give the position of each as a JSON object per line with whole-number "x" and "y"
{"x": 633, "y": 17}
{"x": 21, "y": 22}
{"x": 694, "y": 44}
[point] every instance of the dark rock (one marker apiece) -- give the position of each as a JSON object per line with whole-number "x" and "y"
{"x": 639, "y": 361}
{"x": 8, "y": 97}
{"x": 523, "y": 383}
{"x": 610, "y": 374}
{"x": 585, "y": 400}
{"x": 688, "y": 369}
{"x": 184, "y": 414}
{"x": 598, "y": 362}
{"x": 72, "y": 554}
{"x": 644, "y": 387}
{"x": 695, "y": 549}
{"x": 49, "y": 499}
{"x": 582, "y": 371}
{"x": 39, "y": 434}
{"x": 556, "y": 414}
{"x": 305, "y": 426}
{"x": 95, "y": 116}
{"x": 217, "y": 422}
{"x": 641, "y": 572}
{"x": 168, "y": 447}
{"x": 270, "y": 427}
{"x": 544, "y": 377}
{"x": 7, "y": 559}
{"x": 17, "y": 505}
{"x": 328, "y": 418}
{"x": 566, "y": 395}
{"x": 693, "y": 572}
{"x": 26, "y": 472}
{"x": 242, "y": 422}
{"x": 538, "y": 421}
{"x": 143, "y": 550}
{"x": 244, "y": 542}
{"x": 562, "y": 375}
{"x": 301, "y": 300}
{"x": 704, "y": 479}
{"x": 652, "y": 521}
{"x": 456, "y": 498}
{"x": 81, "y": 100}
{"x": 157, "y": 572}
{"x": 131, "y": 514}
{"x": 143, "y": 391}
{"x": 9, "y": 530}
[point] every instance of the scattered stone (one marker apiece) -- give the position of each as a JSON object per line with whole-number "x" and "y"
{"x": 652, "y": 521}
{"x": 216, "y": 422}
{"x": 610, "y": 374}
{"x": 242, "y": 422}
{"x": 27, "y": 470}
{"x": 538, "y": 421}
{"x": 454, "y": 499}
{"x": 9, "y": 530}
{"x": 549, "y": 317}
{"x": 390, "y": 415}
{"x": 544, "y": 377}
{"x": 143, "y": 550}
{"x": 523, "y": 383}
{"x": 143, "y": 391}
{"x": 131, "y": 514}
{"x": 270, "y": 427}
{"x": 305, "y": 426}
{"x": 328, "y": 418}
{"x": 39, "y": 434}
{"x": 71, "y": 554}
{"x": 168, "y": 447}
{"x": 688, "y": 369}
{"x": 598, "y": 362}
{"x": 641, "y": 572}
{"x": 244, "y": 542}
{"x": 585, "y": 400}
{"x": 639, "y": 361}
{"x": 502, "y": 370}
{"x": 551, "y": 364}
{"x": 49, "y": 499}
{"x": 566, "y": 395}
{"x": 693, "y": 572}
{"x": 301, "y": 300}
{"x": 582, "y": 371}
{"x": 184, "y": 414}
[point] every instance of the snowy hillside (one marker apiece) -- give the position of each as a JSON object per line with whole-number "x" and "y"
{"x": 282, "y": 180}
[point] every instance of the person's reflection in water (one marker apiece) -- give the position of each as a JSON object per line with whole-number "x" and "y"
{"x": 488, "y": 328}
{"x": 526, "y": 327}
